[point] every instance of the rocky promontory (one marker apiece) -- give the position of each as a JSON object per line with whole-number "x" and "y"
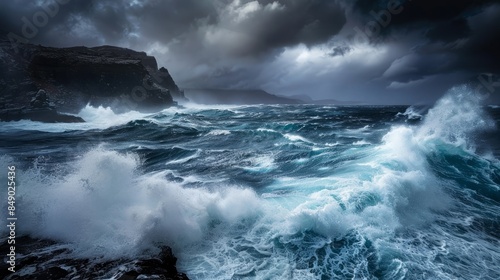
{"x": 42, "y": 83}
{"x": 45, "y": 259}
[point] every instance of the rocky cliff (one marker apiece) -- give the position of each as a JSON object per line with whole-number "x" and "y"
{"x": 71, "y": 78}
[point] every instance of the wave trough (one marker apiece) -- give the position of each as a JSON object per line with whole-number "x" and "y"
{"x": 244, "y": 197}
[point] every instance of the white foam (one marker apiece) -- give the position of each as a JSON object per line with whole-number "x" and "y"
{"x": 104, "y": 117}
{"x": 332, "y": 144}
{"x": 261, "y": 163}
{"x": 297, "y": 138}
{"x": 185, "y": 159}
{"x": 219, "y": 132}
{"x": 455, "y": 118}
{"x": 361, "y": 143}
{"x": 200, "y": 107}
{"x": 267, "y": 130}
{"x": 394, "y": 188}
{"x": 411, "y": 113}
{"x": 358, "y": 131}
{"x": 95, "y": 118}
{"x": 106, "y": 208}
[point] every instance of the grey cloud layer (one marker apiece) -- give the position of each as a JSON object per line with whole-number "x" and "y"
{"x": 261, "y": 44}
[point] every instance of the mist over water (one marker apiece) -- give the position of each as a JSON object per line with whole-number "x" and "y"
{"x": 271, "y": 192}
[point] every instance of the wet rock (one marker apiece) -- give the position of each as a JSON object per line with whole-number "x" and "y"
{"x": 40, "y": 109}
{"x": 162, "y": 267}
{"x": 163, "y": 78}
{"x": 40, "y": 100}
{"x": 43, "y": 259}
{"x": 70, "y": 78}
{"x": 53, "y": 273}
{"x": 48, "y": 115}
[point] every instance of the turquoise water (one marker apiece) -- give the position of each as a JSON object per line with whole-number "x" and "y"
{"x": 271, "y": 192}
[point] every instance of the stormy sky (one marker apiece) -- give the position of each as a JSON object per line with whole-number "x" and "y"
{"x": 377, "y": 52}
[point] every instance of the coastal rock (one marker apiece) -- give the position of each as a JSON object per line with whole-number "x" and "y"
{"x": 39, "y": 109}
{"x": 40, "y": 100}
{"x": 71, "y": 78}
{"x": 46, "y": 115}
{"x": 45, "y": 259}
{"x": 165, "y": 80}
{"x": 162, "y": 267}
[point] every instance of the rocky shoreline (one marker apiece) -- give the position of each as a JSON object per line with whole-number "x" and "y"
{"x": 71, "y": 78}
{"x": 54, "y": 84}
{"x": 44, "y": 259}
{"x": 39, "y": 109}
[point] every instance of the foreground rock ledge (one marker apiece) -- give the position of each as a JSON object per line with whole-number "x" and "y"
{"x": 44, "y": 259}
{"x": 39, "y": 115}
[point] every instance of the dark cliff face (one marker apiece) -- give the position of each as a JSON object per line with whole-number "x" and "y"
{"x": 120, "y": 78}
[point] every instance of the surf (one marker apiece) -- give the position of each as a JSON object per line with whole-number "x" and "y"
{"x": 282, "y": 202}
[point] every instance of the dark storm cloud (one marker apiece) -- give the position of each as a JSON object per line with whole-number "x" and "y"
{"x": 288, "y": 46}
{"x": 424, "y": 11}
{"x": 340, "y": 50}
{"x": 112, "y": 22}
{"x": 292, "y": 22}
{"x": 42, "y": 21}
{"x": 450, "y": 38}
{"x": 168, "y": 19}
{"x": 208, "y": 43}
{"x": 275, "y": 23}
{"x": 449, "y": 31}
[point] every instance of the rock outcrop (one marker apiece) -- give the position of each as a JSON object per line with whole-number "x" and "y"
{"x": 39, "y": 109}
{"x": 161, "y": 267}
{"x": 120, "y": 78}
{"x": 39, "y": 260}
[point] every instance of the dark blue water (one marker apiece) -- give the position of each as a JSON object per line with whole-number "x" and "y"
{"x": 271, "y": 192}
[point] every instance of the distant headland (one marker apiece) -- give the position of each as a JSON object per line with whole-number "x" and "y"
{"x": 46, "y": 84}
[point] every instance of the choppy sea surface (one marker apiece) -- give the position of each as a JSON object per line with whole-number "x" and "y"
{"x": 269, "y": 192}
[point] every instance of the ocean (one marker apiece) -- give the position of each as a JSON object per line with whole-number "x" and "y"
{"x": 265, "y": 191}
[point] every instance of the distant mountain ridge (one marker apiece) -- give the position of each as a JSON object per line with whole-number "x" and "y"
{"x": 236, "y": 97}
{"x": 308, "y": 100}
{"x": 254, "y": 96}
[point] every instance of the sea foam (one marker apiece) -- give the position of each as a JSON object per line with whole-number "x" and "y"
{"x": 106, "y": 208}
{"x": 105, "y": 205}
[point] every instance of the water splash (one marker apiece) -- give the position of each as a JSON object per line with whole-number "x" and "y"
{"x": 456, "y": 118}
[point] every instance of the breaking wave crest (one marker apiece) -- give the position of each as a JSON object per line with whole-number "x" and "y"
{"x": 387, "y": 210}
